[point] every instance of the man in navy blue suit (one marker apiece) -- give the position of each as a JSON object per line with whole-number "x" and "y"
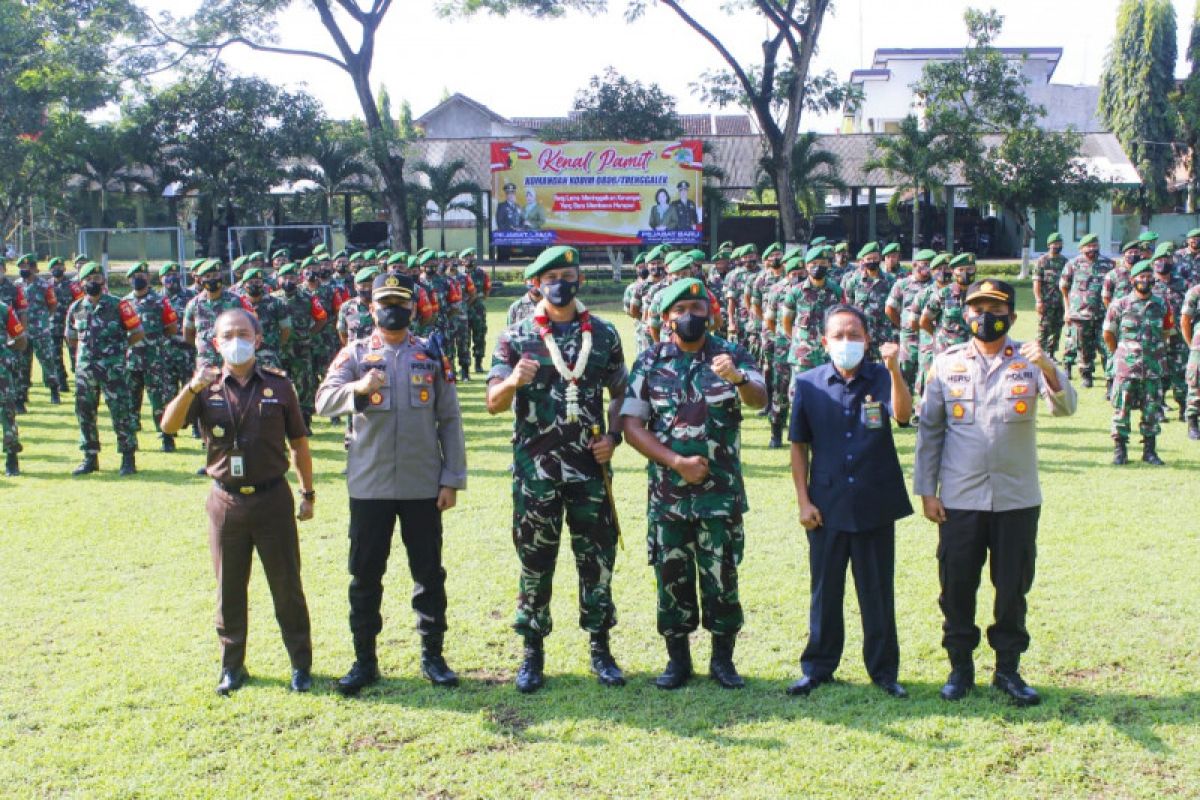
{"x": 851, "y": 492}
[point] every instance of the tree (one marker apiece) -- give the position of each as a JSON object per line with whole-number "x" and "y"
{"x": 338, "y": 167}
{"x": 980, "y": 105}
{"x": 1135, "y": 95}
{"x": 445, "y": 187}
{"x": 916, "y": 159}
{"x": 1187, "y": 102}
{"x": 103, "y": 156}
{"x": 227, "y": 137}
{"x": 614, "y": 107}
{"x": 814, "y": 175}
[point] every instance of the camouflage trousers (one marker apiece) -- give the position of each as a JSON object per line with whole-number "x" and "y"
{"x": 1050, "y": 325}
{"x": 322, "y": 351}
{"x": 754, "y": 345}
{"x": 268, "y": 358}
{"x": 1176, "y": 377}
{"x": 41, "y": 344}
{"x": 150, "y": 373}
{"x": 924, "y": 362}
{"x": 766, "y": 363}
{"x": 1143, "y": 394}
{"x": 462, "y": 342}
{"x": 113, "y": 383}
{"x": 1085, "y": 336}
{"x": 181, "y": 357}
{"x": 298, "y": 363}
{"x": 8, "y": 400}
{"x": 60, "y": 364}
{"x": 910, "y": 361}
{"x": 538, "y": 509}
{"x": 681, "y": 551}
{"x": 445, "y": 327}
{"x": 781, "y": 380}
{"x": 641, "y": 337}
{"x": 1192, "y": 379}
{"x": 477, "y": 320}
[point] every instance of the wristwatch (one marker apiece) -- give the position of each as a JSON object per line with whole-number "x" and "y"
{"x": 308, "y": 495}
{"x": 745, "y": 379}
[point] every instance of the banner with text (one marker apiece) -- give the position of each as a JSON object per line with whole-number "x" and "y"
{"x": 596, "y": 193}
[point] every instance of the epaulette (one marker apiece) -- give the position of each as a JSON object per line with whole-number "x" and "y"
{"x": 274, "y": 371}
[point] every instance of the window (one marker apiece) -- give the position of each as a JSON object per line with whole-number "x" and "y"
{"x": 1083, "y": 224}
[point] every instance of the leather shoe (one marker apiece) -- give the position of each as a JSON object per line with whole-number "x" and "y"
{"x": 360, "y": 676}
{"x": 1021, "y": 693}
{"x": 301, "y": 680}
{"x": 232, "y": 680}
{"x": 959, "y": 684}
{"x": 805, "y": 686}
{"x": 892, "y": 689}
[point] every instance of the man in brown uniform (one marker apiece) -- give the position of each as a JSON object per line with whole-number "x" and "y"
{"x": 246, "y": 411}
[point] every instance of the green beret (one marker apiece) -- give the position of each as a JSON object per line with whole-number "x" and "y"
{"x": 54, "y": 262}
{"x": 686, "y": 289}
{"x": 396, "y": 258}
{"x": 384, "y": 253}
{"x": 672, "y": 257}
{"x": 1164, "y": 250}
{"x": 356, "y": 257}
{"x": 290, "y": 268}
{"x": 639, "y": 258}
{"x": 722, "y": 255}
{"x": 319, "y": 249}
{"x": 424, "y": 250}
{"x": 441, "y": 255}
{"x": 1147, "y": 236}
{"x": 424, "y": 258}
{"x": 925, "y": 255}
{"x": 937, "y": 260}
{"x": 167, "y": 269}
{"x": 794, "y": 263}
{"x": 240, "y": 262}
{"x": 553, "y": 258}
{"x": 366, "y": 274}
{"x": 654, "y": 253}
{"x": 467, "y": 253}
{"x": 894, "y": 247}
{"x": 209, "y": 265}
{"x": 697, "y": 255}
{"x": 1132, "y": 244}
{"x": 961, "y": 260}
{"x": 257, "y": 255}
{"x": 817, "y": 241}
{"x": 681, "y": 263}
{"x": 1052, "y": 238}
{"x": 30, "y": 257}
{"x": 750, "y": 249}
{"x": 867, "y": 249}
{"x": 795, "y": 251}
{"x": 89, "y": 269}
{"x": 772, "y": 249}
{"x": 451, "y": 254}
{"x": 815, "y": 253}
{"x": 282, "y": 252}
{"x": 738, "y": 252}
{"x": 321, "y": 258}
{"x": 842, "y": 247}
{"x": 340, "y": 254}
{"x": 253, "y": 272}
{"x": 1194, "y": 232}
{"x": 308, "y": 262}
{"x": 196, "y": 263}
{"x": 1140, "y": 267}
{"x": 1090, "y": 238}
{"x": 140, "y": 266}
{"x": 413, "y": 262}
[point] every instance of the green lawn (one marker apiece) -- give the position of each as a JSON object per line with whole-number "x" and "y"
{"x": 111, "y": 658}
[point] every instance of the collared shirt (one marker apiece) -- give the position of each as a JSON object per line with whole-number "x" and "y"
{"x": 408, "y": 437}
{"x": 854, "y": 473}
{"x": 254, "y": 421}
{"x": 977, "y": 439}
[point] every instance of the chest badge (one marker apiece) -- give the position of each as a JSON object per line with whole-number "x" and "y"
{"x": 376, "y": 398}
{"x": 958, "y": 411}
{"x": 420, "y": 356}
{"x": 958, "y": 368}
{"x": 1016, "y": 365}
{"x": 218, "y": 431}
{"x": 1008, "y": 351}
{"x": 216, "y": 387}
{"x": 268, "y": 392}
{"x": 372, "y": 358}
{"x": 424, "y": 395}
{"x": 958, "y": 392}
{"x": 1021, "y": 407}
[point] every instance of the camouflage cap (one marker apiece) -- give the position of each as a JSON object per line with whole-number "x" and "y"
{"x": 686, "y": 289}
{"x": 553, "y": 258}
{"x": 89, "y": 269}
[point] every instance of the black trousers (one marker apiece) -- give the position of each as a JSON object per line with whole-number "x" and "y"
{"x": 871, "y": 555}
{"x": 965, "y": 540}
{"x": 371, "y": 525}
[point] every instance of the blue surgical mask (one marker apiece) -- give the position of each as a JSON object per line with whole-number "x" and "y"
{"x": 846, "y": 354}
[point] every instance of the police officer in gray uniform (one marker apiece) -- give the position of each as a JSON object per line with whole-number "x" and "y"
{"x": 976, "y": 473}
{"x": 407, "y": 459}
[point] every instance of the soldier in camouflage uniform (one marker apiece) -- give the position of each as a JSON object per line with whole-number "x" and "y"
{"x": 524, "y": 306}
{"x": 146, "y": 361}
{"x": 720, "y": 269}
{"x": 39, "y": 321}
{"x": 1135, "y": 329}
{"x": 899, "y": 310}
{"x": 1187, "y": 259}
{"x": 641, "y": 275}
{"x": 1189, "y": 315}
{"x": 943, "y": 315}
{"x": 274, "y": 319}
{"x": 66, "y": 291}
{"x": 867, "y": 289}
{"x": 460, "y": 316}
{"x": 477, "y": 308}
{"x": 12, "y": 343}
{"x": 1081, "y": 286}
{"x": 794, "y": 274}
{"x": 181, "y": 356}
{"x": 354, "y": 317}
{"x": 939, "y": 267}
{"x": 656, "y": 274}
{"x": 201, "y": 312}
{"x": 99, "y": 328}
{"x": 441, "y": 291}
{"x": 1048, "y": 301}
{"x": 560, "y": 457}
{"x": 761, "y": 342}
{"x": 681, "y": 267}
{"x": 323, "y": 341}
{"x": 803, "y": 312}
{"x": 1172, "y": 289}
{"x": 737, "y": 312}
{"x": 891, "y": 261}
{"x": 683, "y": 411}
{"x": 308, "y": 318}
{"x": 841, "y": 267}
{"x": 1118, "y": 281}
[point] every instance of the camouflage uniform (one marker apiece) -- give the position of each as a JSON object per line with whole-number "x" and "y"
{"x": 870, "y": 296}
{"x": 146, "y": 363}
{"x": 200, "y": 315}
{"x": 1083, "y": 281}
{"x": 752, "y": 295}
{"x": 1191, "y": 309}
{"x": 354, "y": 320}
{"x": 904, "y": 292}
{"x": 274, "y": 318}
{"x": 39, "y": 322}
{"x": 445, "y": 296}
{"x": 101, "y": 327}
{"x": 324, "y": 343}
{"x": 1172, "y": 292}
{"x": 735, "y": 292}
{"x": 521, "y": 309}
{"x": 925, "y": 353}
{"x": 1047, "y": 272}
{"x": 180, "y": 354}
{"x": 9, "y": 388}
{"x": 1187, "y": 265}
{"x": 640, "y": 303}
{"x": 1139, "y": 325}
{"x": 775, "y": 347}
{"x": 554, "y": 471}
{"x": 945, "y": 309}
{"x": 804, "y": 307}
{"x": 694, "y": 529}
{"x": 477, "y": 313}
{"x": 67, "y": 290}
{"x": 627, "y": 305}
{"x": 460, "y": 317}
{"x": 305, "y": 312}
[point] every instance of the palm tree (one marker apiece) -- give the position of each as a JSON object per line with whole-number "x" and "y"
{"x": 815, "y": 174}
{"x": 103, "y": 158}
{"x": 915, "y": 159}
{"x": 445, "y": 188}
{"x": 339, "y": 167}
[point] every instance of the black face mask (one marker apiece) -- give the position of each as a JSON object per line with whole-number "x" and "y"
{"x": 817, "y": 273}
{"x": 872, "y": 267}
{"x": 58, "y": 272}
{"x": 988, "y": 327}
{"x": 1143, "y": 286}
{"x": 289, "y": 287}
{"x": 171, "y": 282}
{"x": 1131, "y": 260}
{"x": 93, "y": 289}
{"x": 364, "y": 295}
{"x": 943, "y": 277}
{"x": 964, "y": 279}
{"x": 561, "y": 292}
{"x": 255, "y": 290}
{"x": 212, "y": 285}
{"x": 690, "y": 328}
{"x": 26, "y": 273}
{"x": 325, "y": 274}
{"x": 139, "y": 283}
{"x": 643, "y": 273}
{"x": 393, "y": 318}
{"x": 656, "y": 272}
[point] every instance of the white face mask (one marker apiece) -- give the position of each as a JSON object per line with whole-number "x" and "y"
{"x": 237, "y": 351}
{"x": 846, "y": 354}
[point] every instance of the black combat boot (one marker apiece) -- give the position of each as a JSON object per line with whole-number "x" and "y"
{"x": 1194, "y": 428}
{"x": 529, "y": 676}
{"x": 168, "y": 443}
{"x": 1108, "y": 389}
{"x": 720, "y": 665}
{"x": 12, "y": 467}
{"x": 679, "y": 664}
{"x": 464, "y": 370}
{"x": 603, "y": 664}
{"x": 776, "y": 436}
{"x": 1120, "y": 453}
{"x": 1087, "y": 381}
{"x": 55, "y": 400}
{"x": 433, "y": 665}
{"x": 365, "y": 669}
{"x": 1148, "y": 452}
{"x": 1008, "y": 680}
{"x": 479, "y": 365}
{"x": 1069, "y": 366}
{"x": 962, "y": 676}
{"x": 128, "y": 464}
{"x": 1182, "y": 412}
{"x": 90, "y": 463}
{"x": 21, "y": 407}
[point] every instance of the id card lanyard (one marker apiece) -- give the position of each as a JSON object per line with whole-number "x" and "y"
{"x": 237, "y": 461}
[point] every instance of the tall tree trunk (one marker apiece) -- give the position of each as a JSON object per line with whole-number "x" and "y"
{"x": 916, "y": 242}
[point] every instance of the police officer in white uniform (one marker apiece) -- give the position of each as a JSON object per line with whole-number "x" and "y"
{"x": 407, "y": 459}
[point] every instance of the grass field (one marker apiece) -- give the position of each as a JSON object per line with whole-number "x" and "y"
{"x": 110, "y": 655}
